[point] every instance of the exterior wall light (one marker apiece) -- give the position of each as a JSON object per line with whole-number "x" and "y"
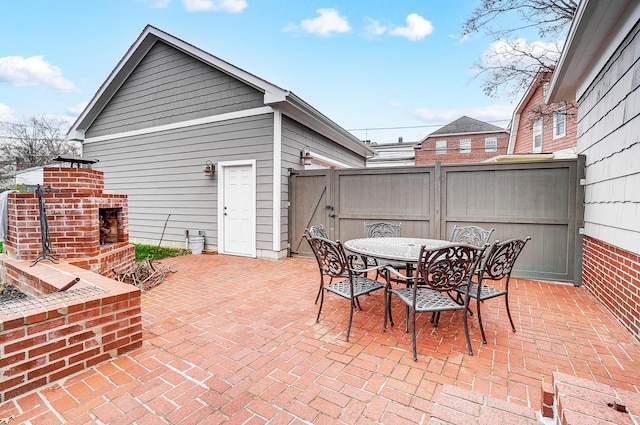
{"x": 305, "y": 156}
{"x": 209, "y": 169}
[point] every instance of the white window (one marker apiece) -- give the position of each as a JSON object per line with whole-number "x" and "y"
{"x": 559, "y": 123}
{"x": 491, "y": 144}
{"x": 465, "y": 145}
{"x": 441, "y": 147}
{"x": 537, "y": 136}
{"x": 545, "y": 89}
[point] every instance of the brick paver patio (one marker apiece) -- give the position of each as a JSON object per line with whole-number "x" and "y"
{"x": 234, "y": 340}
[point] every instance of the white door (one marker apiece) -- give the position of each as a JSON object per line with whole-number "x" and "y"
{"x": 238, "y": 209}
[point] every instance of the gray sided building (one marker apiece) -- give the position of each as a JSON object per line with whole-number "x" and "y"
{"x": 169, "y": 109}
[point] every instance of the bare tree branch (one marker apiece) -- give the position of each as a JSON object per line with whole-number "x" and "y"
{"x": 511, "y": 63}
{"x": 35, "y": 141}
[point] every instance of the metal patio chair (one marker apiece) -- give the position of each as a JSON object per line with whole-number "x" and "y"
{"x": 472, "y": 235}
{"x": 319, "y": 231}
{"x": 497, "y": 264}
{"x": 382, "y": 229}
{"x": 343, "y": 281}
{"x": 438, "y": 271}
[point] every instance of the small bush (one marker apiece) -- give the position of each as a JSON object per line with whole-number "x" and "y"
{"x": 146, "y": 251}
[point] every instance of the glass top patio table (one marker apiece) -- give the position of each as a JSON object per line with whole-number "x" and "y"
{"x": 406, "y": 250}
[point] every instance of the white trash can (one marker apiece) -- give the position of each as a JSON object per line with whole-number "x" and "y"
{"x": 197, "y": 244}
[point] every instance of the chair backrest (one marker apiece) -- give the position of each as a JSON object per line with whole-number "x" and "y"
{"x": 500, "y": 258}
{"x": 382, "y": 230}
{"x": 331, "y": 257}
{"x": 472, "y": 235}
{"x": 449, "y": 267}
{"x": 318, "y": 231}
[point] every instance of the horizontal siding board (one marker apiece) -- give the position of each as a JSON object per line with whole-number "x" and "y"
{"x": 170, "y": 86}
{"x": 162, "y": 174}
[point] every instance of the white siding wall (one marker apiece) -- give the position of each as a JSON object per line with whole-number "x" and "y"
{"x": 609, "y": 137}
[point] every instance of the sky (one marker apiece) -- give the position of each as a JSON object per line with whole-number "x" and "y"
{"x": 381, "y": 69}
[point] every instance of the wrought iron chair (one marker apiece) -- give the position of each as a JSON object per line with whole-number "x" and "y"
{"x": 438, "y": 271}
{"x": 382, "y": 229}
{"x": 344, "y": 282}
{"x": 319, "y": 231}
{"x": 496, "y": 265}
{"x": 472, "y": 235}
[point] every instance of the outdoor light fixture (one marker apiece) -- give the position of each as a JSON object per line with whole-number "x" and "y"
{"x": 305, "y": 156}
{"x": 209, "y": 169}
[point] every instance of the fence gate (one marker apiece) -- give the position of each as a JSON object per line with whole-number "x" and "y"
{"x": 312, "y": 196}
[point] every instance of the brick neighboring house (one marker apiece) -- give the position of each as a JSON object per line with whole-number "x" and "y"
{"x": 463, "y": 140}
{"x": 537, "y": 127}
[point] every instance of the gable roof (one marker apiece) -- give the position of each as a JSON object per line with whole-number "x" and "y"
{"x": 466, "y": 125}
{"x": 290, "y": 104}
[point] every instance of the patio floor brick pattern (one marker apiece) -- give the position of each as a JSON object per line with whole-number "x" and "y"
{"x": 234, "y": 340}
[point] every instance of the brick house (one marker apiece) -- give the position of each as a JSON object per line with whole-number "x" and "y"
{"x": 537, "y": 127}
{"x": 463, "y": 140}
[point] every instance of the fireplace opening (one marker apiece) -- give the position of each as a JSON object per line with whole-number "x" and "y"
{"x": 109, "y": 225}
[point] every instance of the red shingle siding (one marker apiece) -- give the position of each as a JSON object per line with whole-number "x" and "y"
{"x": 426, "y": 153}
{"x": 613, "y": 276}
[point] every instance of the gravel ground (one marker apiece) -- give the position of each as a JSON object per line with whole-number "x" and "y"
{"x": 10, "y": 293}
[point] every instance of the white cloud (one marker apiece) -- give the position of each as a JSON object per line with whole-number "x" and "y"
{"x": 230, "y": 6}
{"x": 160, "y": 4}
{"x": 33, "y": 71}
{"x": 416, "y": 29}
{"x": 6, "y": 113}
{"x": 460, "y": 40}
{"x": 519, "y": 53}
{"x": 489, "y": 113}
{"x": 329, "y": 21}
{"x": 77, "y": 109}
{"x": 374, "y": 29}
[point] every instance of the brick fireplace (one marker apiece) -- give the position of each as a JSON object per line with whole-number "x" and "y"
{"x": 75, "y": 316}
{"x": 88, "y": 227}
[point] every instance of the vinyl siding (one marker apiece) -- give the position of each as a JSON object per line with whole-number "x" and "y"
{"x": 294, "y": 138}
{"x": 608, "y": 129}
{"x": 170, "y": 86}
{"x": 162, "y": 173}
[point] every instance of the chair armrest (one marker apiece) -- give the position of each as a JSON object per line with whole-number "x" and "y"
{"x": 370, "y": 269}
{"x": 393, "y": 271}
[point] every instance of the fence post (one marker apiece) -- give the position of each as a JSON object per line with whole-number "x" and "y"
{"x": 437, "y": 201}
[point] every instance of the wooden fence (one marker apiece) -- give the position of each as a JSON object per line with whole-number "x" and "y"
{"x": 541, "y": 199}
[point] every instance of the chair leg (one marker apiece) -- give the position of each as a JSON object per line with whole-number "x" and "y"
{"x": 321, "y": 301}
{"x": 506, "y": 300}
{"x": 406, "y": 318}
{"x": 386, "y": 309}
{"x": 466, "y": 332}
{"x": 356, "y": 303}
{"x": 413, "y": 336}
{"x": 350, "y": 319}
{"x": 484, "y": 338}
